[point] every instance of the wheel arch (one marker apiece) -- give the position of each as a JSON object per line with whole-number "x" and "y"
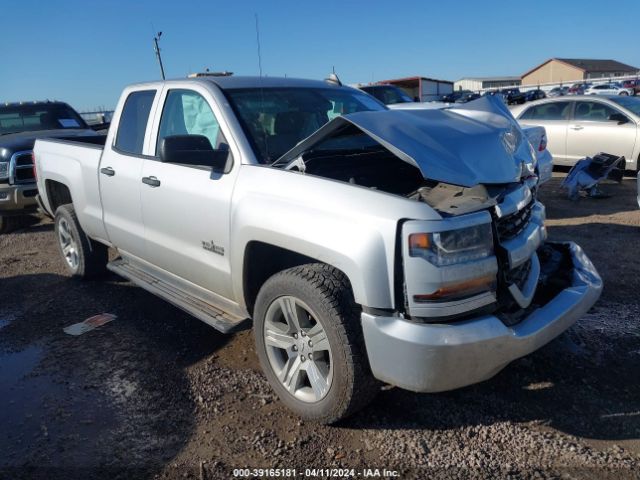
{"x": 57, "y": 194}
{"x": 263, "y": 260}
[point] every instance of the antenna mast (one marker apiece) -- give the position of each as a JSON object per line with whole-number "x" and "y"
{"x": 158, "y": 56}
{"x": 258, "y": 42}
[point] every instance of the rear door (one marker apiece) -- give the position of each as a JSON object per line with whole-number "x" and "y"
{"x": 120, "y": 172}
{"x": 187, "y": 213}
{"x": 591, "y": 131}
{"x": 554, "y": 117}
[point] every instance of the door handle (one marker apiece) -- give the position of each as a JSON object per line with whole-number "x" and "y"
{"x": 576, "y": 127}
{"x": 151, "y": 181}
{"x": 108, "y": 171}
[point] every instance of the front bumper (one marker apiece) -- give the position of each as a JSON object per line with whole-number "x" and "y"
{"x": 439, "y": 357}
{"x": 18, "y": 199}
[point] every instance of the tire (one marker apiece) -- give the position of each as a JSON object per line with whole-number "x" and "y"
{"x": 342, "y": 380}
{"x": 83, "y": 257}
{"x": 6, "y": 224}
{"x": 624, "y": 94}
{"x": 12, "y": 222}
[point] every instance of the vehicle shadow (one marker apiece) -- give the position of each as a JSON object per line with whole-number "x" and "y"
{"x": 116, "y": 398}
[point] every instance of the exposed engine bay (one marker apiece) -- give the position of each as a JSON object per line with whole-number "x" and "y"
{"x": 455, "y": 161}
{"x": 364, "y": 162}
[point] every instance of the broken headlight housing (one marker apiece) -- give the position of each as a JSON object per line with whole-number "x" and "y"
{"x": 453, "y": 246}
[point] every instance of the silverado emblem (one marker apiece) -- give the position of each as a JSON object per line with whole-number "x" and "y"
{"x": 510, "y": 140}
{"x": 212, "y": 247}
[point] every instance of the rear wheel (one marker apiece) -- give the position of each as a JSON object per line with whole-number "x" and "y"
{"x": 309, "y": 342}
{"x": 83, "y": 257}
{"x": 624, "y": 94}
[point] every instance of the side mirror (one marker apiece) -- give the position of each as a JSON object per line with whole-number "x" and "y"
{"x": 618, "y": 117}
{"x": 193, "y": 150}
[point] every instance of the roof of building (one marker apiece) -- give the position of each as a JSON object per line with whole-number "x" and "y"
{"x": 591, "y": 65}
{"x": 411, "y": 79}
{"x": 494, "y": 79}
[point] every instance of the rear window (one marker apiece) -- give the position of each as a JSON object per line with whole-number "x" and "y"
{"x": 133, "y": 121}
{"x": 547, "y": 111}
{"x": 34, "y": 117}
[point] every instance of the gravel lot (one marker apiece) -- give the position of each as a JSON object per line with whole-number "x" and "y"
{"x": 157, "y": 394}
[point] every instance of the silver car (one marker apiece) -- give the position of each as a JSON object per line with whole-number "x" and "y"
{"x": 581, "y": 126}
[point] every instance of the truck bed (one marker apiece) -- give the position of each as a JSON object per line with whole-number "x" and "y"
{"x": 73, "y": 162}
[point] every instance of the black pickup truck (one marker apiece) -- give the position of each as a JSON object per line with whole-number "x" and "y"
{"x": 20, "y": 125}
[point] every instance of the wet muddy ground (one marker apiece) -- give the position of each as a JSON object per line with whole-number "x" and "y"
{"x": 156, "y": 393}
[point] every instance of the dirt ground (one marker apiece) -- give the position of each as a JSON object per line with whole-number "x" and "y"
{"x": 158, "y": 394}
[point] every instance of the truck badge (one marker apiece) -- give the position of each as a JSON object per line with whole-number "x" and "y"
{"x": 212, "y": 247}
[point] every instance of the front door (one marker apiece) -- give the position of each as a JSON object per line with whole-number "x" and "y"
{"x": 119, "y": 175}
{"x": 186, "y": 213}
{"x": 591, "y": 131}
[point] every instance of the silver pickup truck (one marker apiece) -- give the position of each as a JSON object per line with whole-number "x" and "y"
{"x": 366, "y": 244}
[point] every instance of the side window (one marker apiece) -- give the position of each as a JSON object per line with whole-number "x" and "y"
{"x": 133, "y": 121}
{"x": 186, "y": 112}
{"x": 593, "y": 111}
{"x": 548, "y": 111}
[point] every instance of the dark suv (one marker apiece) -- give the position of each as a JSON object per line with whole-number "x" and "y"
{"x": 513, "y": 95}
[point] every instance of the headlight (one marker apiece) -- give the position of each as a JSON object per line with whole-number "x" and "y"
{"x": 4, "y": 170}
{"x": 453, "y": 246}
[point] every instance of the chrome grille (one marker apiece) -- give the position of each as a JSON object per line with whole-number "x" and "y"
{"x": 513, "y": 225}
{"x": 21, "y": 168}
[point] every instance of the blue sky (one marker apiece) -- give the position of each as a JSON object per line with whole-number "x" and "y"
{"x": 84, "y": 52}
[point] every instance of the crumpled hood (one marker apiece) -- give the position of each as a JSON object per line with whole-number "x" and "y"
{"x": 475, "y": 143}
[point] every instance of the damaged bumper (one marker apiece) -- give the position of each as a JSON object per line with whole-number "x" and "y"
{"x": 439, "y": 357}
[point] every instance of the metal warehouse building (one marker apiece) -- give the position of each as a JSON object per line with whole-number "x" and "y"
{"x": 559, "y": 70}
{"x": 481, "y": 83}
{"x": 421, "y": 88}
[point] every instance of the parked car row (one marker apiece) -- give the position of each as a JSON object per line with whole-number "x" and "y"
{"x": 580, "y": 126}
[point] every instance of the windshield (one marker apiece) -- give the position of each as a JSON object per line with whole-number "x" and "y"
{"x": 276, "y": 119}
{"x": 29, "y": 118}
{"x": 630, "y": 103}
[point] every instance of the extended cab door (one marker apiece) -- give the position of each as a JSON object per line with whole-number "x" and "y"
{"x": 120, "y": 172}
{"x": 598, "y": 127}
{"x": 186, "y": 208}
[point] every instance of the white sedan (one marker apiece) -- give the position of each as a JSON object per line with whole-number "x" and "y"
{"x": 608, "y": 89}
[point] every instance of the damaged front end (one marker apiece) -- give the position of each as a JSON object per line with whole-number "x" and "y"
{"x": 476, "y": 168}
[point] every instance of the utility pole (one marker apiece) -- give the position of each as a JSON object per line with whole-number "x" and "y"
{"x": 157, "y": 48}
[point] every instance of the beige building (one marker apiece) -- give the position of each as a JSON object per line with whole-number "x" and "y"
{"x": 567, "y": 70}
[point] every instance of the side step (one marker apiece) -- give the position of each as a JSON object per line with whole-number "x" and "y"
{"x": 206, "y": 312}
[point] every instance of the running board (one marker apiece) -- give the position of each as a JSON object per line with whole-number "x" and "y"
{"x": 206, "y": 312}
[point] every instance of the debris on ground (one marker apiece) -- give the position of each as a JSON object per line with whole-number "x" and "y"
{"x": 587, "y": 173}
{"x": 89, "y": 324}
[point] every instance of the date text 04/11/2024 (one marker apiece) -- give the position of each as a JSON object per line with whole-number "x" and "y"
{"x": 314, "y": 473}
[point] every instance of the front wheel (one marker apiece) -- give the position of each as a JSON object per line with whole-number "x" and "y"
{"x": 309, "y": 342}
{"x": 625, "y": 94}
{"x": 83, "y": 257}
